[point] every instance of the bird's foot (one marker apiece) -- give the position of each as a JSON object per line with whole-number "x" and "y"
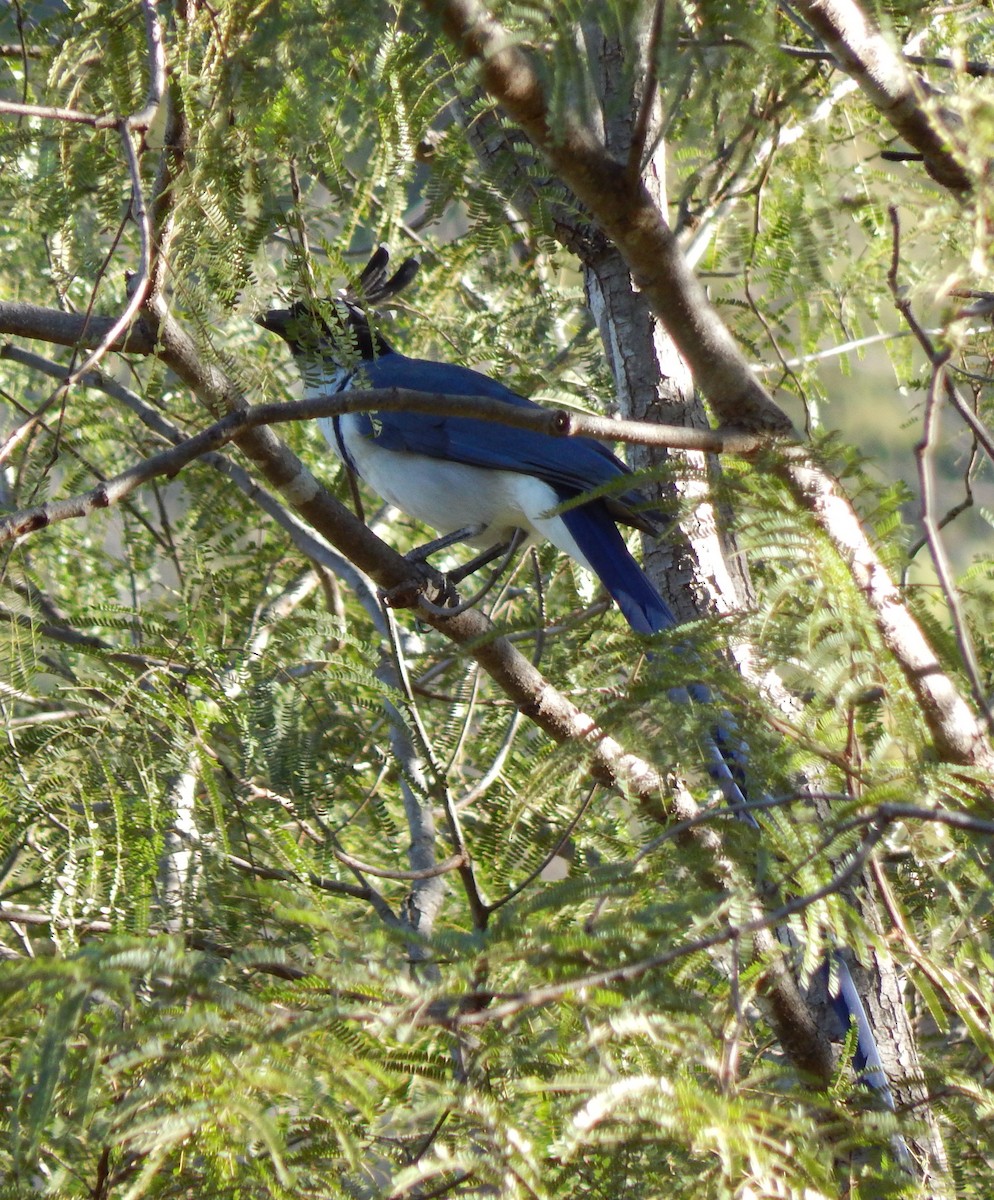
{"x": 446, "y": 602}
{"x": 426, "y": 587}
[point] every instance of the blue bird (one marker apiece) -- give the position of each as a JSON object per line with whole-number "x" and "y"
{"x": 460, "y": 475}
{"x": 481, "y": 482}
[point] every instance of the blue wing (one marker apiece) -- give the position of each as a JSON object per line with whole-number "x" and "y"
{"x": 570, "y": 465}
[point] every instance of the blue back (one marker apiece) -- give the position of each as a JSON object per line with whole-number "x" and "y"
{"x": 569, "y": 465}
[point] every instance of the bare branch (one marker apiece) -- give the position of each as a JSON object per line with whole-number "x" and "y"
{"x": 555, "y": 422}
{"x": 926, "y": 476}
{"x": 957, "y": 735}
{"x": 807, "y": 53}
{"x": 868, "y": 57}
{"x": 139, "y": 121}
{"x": 322, "y": 882}
{"x": 54, "y": 113}
{"x": 650, "y": 96}
{"x": 17, "y": 50}
{"x": 71, "y": 329}
{"x": 450, "y": 864}
{"x": 15, "y": 915}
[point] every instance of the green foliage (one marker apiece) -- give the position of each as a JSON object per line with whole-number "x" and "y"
{"x": 226, "y": 972}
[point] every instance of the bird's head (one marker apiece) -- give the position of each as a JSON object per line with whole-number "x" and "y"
{"x": 337, "y": 331}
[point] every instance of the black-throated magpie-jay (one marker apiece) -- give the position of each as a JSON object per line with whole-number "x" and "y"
{"x": 460, "y": 473}
{"x": 489, "y": 481}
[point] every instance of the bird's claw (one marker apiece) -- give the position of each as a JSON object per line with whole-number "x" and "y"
{"x": 414, "y": 592}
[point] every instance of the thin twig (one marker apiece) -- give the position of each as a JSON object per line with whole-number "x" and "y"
{"x": 322, "y": 882}
{"x": 551, "y": 993}
{"x": 974, "y": 67}
{"x": 561, "y": 841}
{"x": 977, "y": 427}
{"x": 952, "y": 513}
{"x": 483, "y": 784}
{"x": 453, "y": 863}
{"x": 926, "y": 476}
{"x": 139, "y": 283}
{"x": 477, "y": 905}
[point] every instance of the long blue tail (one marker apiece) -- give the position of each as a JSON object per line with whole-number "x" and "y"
{"x": 595, "y": 532}
{"x": 604, "y": 548}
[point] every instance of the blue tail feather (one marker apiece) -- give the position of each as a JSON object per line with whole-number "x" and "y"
{"x": 849, "y": 1009}
{"x": 601, "y": 543}
{"x": 604, "y": 548}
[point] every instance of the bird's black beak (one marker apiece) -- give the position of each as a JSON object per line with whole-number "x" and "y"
{"x": 276, "y": 320}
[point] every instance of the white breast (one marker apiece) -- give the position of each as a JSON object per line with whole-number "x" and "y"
{"x": 450, "y": 496}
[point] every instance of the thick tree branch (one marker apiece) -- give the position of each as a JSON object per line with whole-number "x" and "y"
{"x": 868, "y": 57}
{"x": 625, "y": 211}
{"x": 71, "y": 329}
{"x": 956, "y": 733}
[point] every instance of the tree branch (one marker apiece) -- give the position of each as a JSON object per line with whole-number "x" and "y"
{"x": 625, "y": 211}
{"x": 138, "y": 121}
{"x": 868, "y": 57}
{"x": 555, "y": 422}
{"x": 27, "y": 320}
{"x": 957, "y": 735}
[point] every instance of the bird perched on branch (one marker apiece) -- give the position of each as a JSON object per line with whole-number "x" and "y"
{"x": 481, "y": 482}
{"x": 472, "y": 480}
